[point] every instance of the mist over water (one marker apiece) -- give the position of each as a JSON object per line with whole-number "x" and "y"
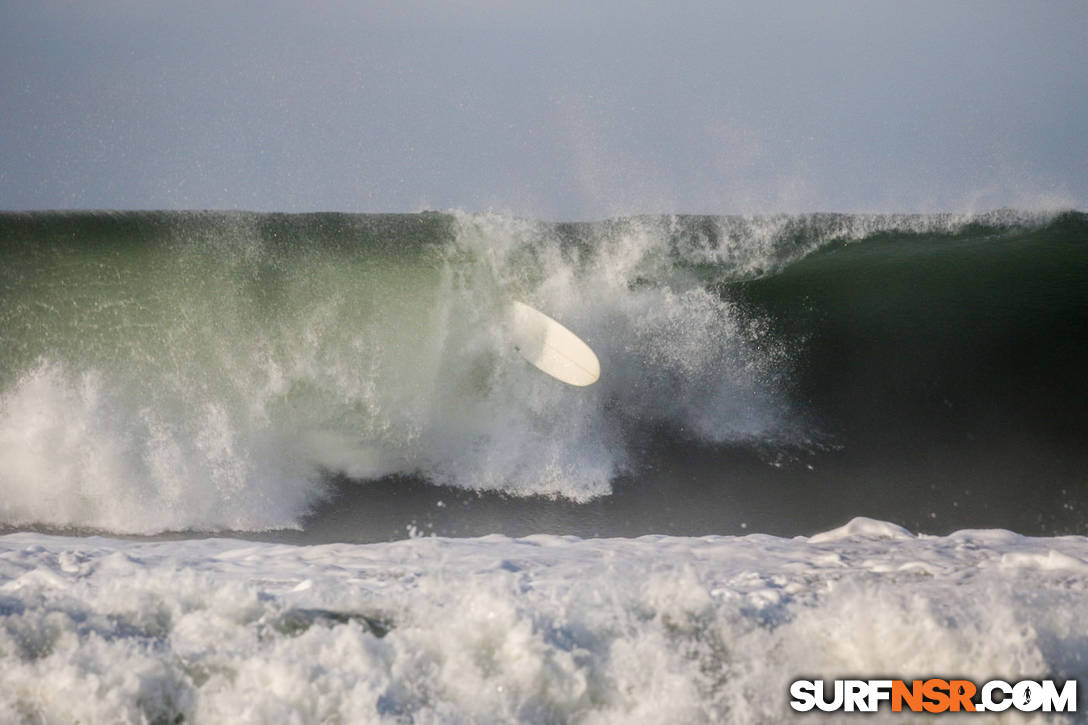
{"x": 181, "y": 371}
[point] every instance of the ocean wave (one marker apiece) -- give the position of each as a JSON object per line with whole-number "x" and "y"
{"x": 173, "y": 371}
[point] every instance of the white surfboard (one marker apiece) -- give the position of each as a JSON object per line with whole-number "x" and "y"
{"x": 553, "y": 348}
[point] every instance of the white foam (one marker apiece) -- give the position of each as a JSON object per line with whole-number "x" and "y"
{"x": 861, "y": 526}
{"x": 77, "y": 451}
{"x": 216, "y": 402}
{"x": 541, "y": 629}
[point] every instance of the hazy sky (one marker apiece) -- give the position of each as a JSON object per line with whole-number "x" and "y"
{"x": 552, "y": 109}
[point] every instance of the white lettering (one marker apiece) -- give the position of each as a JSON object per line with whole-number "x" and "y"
{"x": 1066, "y": 701}
{"x": 994, "y": 696}
{"x": 879, "y": 690}
{"x": 988, "y": 702}
{"x": 804, "y": 695}
{"x": 1027, "y": 696}
{"x": 856, "y": 697}
{"x": 821, "y": 697}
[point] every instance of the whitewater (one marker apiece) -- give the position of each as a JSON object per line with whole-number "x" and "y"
{"x": 539, "y": 629}
{"x": 289, "y": 468}
{"x": 228, "y": 371}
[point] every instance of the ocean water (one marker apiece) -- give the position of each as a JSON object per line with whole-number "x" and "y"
{"x": 411, "y": 524}
{"x": 538, "y": 629}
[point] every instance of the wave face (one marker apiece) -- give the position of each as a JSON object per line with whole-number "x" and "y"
{"x": 170, "y": 371}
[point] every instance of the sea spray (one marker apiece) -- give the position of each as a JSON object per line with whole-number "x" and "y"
{"x": 165, "y": 371}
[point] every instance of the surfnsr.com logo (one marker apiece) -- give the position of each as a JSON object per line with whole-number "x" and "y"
{"x": 933, "y": 695}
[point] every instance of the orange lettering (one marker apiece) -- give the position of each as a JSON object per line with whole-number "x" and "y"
{"x": 912, "y": 695}
{"x": 936, "y": 692}
{"x": 961, "y": 692}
